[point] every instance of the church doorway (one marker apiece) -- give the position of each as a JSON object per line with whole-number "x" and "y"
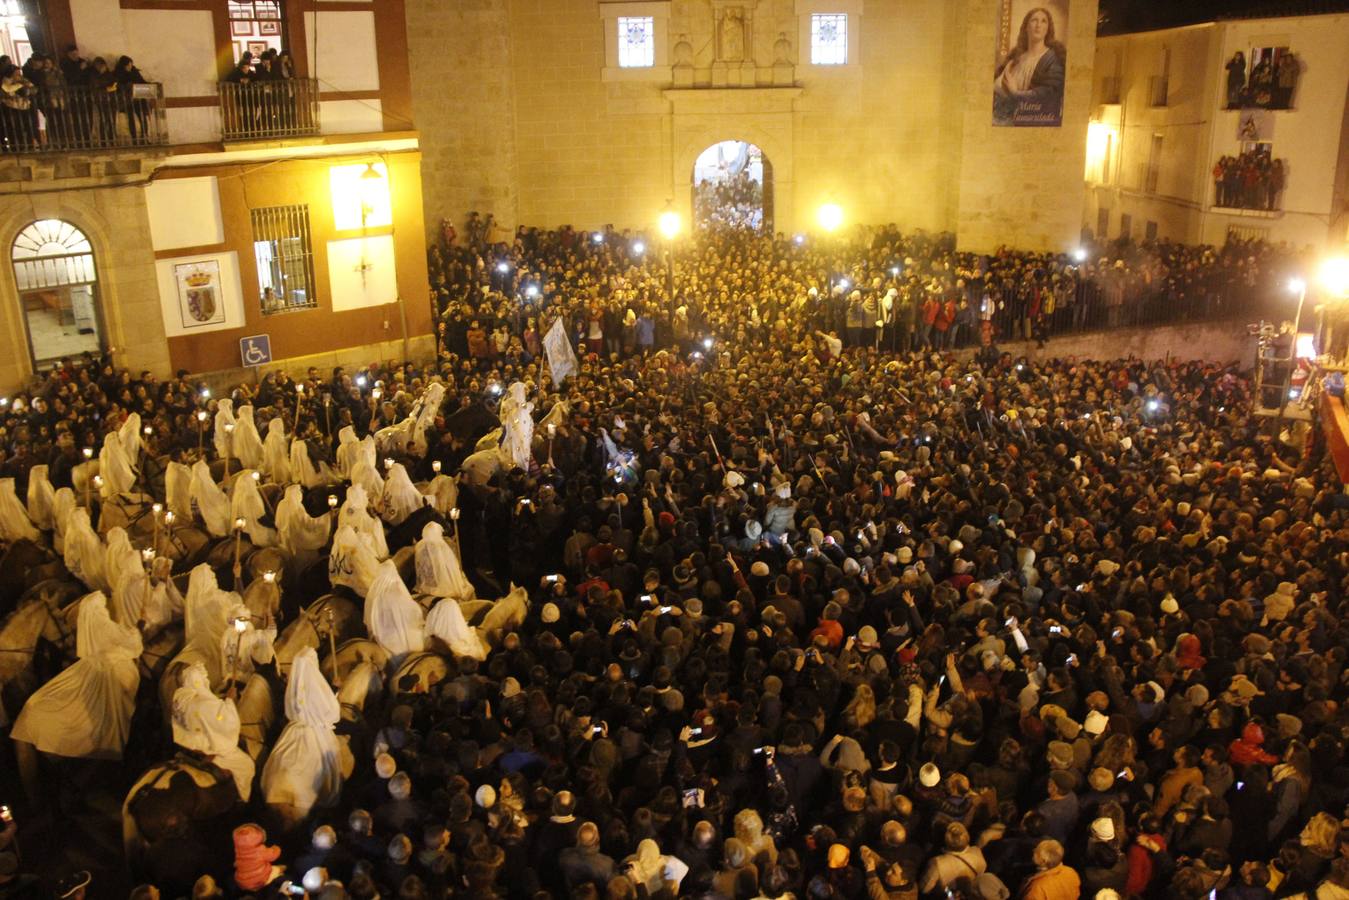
{"x": 733, "y": 188}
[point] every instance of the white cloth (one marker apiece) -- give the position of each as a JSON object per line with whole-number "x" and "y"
{"x": 243, "y": 651}
{"x": 296, "y": 530}
{"x": 354, "y": 514}
{"x": 178, "y": 491}
{"x": 517, "y": 423}
{"x": 303, "y": 470}
{"x": 351, "y": 562}
{"x": 115, "y": 466}
{"x": 86, "y": 711}
{"x": 41, "y": 498}
{"x": 121, "y": 560}
{"x": 210, "y": 500}
{"x": 130, "y": 436}
{"x": 395, "y": 438}
{"x": 392, "y": 617}
{"x": 480, "y": 466}
{"x": 209, "y": 725}
{"x": 303, "y": 770}
{"x": 446, "y": 621}
{"x": 85, "y": 556}
{"x": 247, "y": 442}
{"x": 365, "y": 476}
{"x": 205, "y": 619}
{"x": 276, "y": 452}
{"x": 246, "y": 503}
{"x": 347, "y": 448}
{"x": 63, "y": 506}
{"x": 443, "y": 492}
{"x": 14, "y": 522}
{"x": 438, "y": 570}
{"x": 401, "y": 497}
{"x": 221, "y": 436}
{"x": 139, "y": 598}
{"x": 427, "y": 410}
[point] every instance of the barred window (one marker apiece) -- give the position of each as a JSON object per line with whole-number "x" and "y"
{"x": 829, "y": 39}
{"x": 636, "y": 42}
{"x": 284, "y": 257}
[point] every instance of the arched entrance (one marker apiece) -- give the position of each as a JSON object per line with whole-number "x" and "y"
{"x": 733, "y": 187}
{"x": 57, "y": 284}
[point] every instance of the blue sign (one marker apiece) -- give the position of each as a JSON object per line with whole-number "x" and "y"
{"x": 256, "y": 350}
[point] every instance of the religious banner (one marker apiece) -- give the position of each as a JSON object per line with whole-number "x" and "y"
{"x": 561, "y": 357}
{"x": 199, "y": 299}
{"x": 1031, "y": 63}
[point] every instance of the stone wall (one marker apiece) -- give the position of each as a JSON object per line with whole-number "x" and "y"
{"x": 463, "y": 101}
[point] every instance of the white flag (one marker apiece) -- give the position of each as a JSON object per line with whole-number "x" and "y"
{"x": 561, "y": 357}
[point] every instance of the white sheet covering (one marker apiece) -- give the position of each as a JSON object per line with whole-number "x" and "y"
{"x": 351, "y": 562}
{"x": 206, "y": 618}
{"x": 303, "y": 470}
{"x": 221, "y": 436}
{"x": 210, "y": 501}
{"x": 392, "y": 617}
{"x": 401, "y": 497}
{"x": 303, "y": 770}
{"x": 247, "y": 446}
{"x": 297, "y": 530}
{"x": 246, "y": 503}
{"x": 85, "y": 555}
{"x": 41, "y": 498}
{"x": 178, "y": 491}
{"x": 207, "y": 724}
{"x": 446, "y": 621}
{"x": 443, "y": 492}
{"x": 130, "y": 436}
{"x": 115, "y": 466}
{"x": 86, "y": 711}
{"x": 14, "y": 522}
{"x": 276, "y": 452}
{"x": 356, "y": 515}
{"x": 438, "y": 570}
{"x": 62, "y": 506}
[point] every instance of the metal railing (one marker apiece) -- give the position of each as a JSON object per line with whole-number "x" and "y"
{"x": 263, "y": 110}
{"x": 55, "y": 120}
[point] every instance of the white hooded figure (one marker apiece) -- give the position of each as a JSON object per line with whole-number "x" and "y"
{"x": 443, "y": 493}
{"x": 121, "y": 560}
{"x": 115, "y": 467}
{"x": 14, "y": 522}
{"x": 244, "y": 646}
{"x": 206, "y": 724}
{"x": 356, "y": 515}
{"x": 149, "y": 598}
{"x": 178, "y": 490}
{"x": 210, "y": 500}
{"x": 276, "y": 452}
{"x": 303, "y": 469}
{"x": 351, "y": 562}
{"x": 517, "y": 422}
{"x": 427, "y": 410}
{"x": 394, "y": 439}
{"x": 296, "y": 530}
{"x": 246, "y": 503}
{"x": 438, "y": 571}
{"x": 304, "y": 768}
{"x": 401, "y": 497}
{"x": 130, "y": 436}
{"x": 247, "y": 445}
{"x": 481, "y": 465}
{"x": 366, "y": 476}
{"x": 348, "y": 449}
{"x": 205, "y": 620}
{"x": 222, "y": 437}
{"x": 41, "y": 498}
{"x": 85, "y": 711}
{"x": 85, "y": 555}
{"x": 392, "y": 617}
{"x": 63, "y": 506}
{"x": 446, "y": 622}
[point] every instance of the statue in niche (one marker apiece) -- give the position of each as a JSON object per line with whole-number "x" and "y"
{"x": 733, "y": 35}
{"x": 683, "y": 52}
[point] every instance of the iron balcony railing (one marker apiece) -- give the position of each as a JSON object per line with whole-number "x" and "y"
{"x": 55, "y": 120}
{"x": 263, "y": 110}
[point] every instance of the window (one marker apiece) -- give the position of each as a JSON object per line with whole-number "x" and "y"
{"x": 256, "y": 26}
{"x": 1103, "y": 223}
{"x": 1150, "y": 231}
{"x": 1107, "y": 157}
{"x": 829, "y": 39}
{"x": 1161, "y": 83}
{"x": 57, "y": 282}
{"x": 1126, "y": 226}
{"x": 1154, "y": 165}
{"x": 636, "y": 42}
{"x": 284, "y": 258}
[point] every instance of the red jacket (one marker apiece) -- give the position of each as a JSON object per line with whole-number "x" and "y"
{"x": 1246, "y": 750}
{"x": 1141, "y": 866}
{"x": 252, "y": 858}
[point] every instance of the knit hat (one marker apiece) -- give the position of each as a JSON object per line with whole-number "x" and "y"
{"x": 550, "y": 613}
{"x": 1103, "y": 829}
{"x": 510, "y": 687}
{"x": 929, "y": 775}
{"x": 1095, "y": 723}
{"x": 866, "y": 636}
{"x": 759, "y": 569}
{"x": 1169, "y": 604}
{"x": 838, "y": 856}
{"x": 904, "y": 555}
{"x": 1101, "y": 779}
{"x": 486, "y": 797}
{"x": 385, "y": 766}
{"x": 1060, "y": 755}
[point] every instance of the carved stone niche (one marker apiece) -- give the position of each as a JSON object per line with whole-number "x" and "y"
{"x": 733, "y": 39}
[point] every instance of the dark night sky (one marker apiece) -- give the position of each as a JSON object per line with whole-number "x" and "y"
{"x": 1141, "y": 15}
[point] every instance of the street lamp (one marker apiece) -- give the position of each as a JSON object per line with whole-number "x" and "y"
{"x": 830, "y": 217}
{"x": 1335, "y": 276}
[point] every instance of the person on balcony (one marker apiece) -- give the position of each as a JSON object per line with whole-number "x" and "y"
{"x": 137, "y": 110}
{"x": 16, "y": 105}
{"x": 75, "y": 73}
{"x": 103, "y": 86}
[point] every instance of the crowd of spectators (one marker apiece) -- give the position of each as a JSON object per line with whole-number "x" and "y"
{"x": 811, "y": 617}
{"x": 1251, "y": 180}
{"x": 733, "y": 201}
{"x": 70, "y": 103}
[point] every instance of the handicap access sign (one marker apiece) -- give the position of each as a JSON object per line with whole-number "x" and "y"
{"x": 256, "y": 350}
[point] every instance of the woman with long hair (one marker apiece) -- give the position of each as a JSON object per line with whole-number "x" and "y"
{"x": 1030, "y": 79}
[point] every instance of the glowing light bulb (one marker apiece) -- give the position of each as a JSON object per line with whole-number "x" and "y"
{"x": 639, "y": 248}
{"x": 332, "y": 501}
{"x": 435, "y": 466}
{"x": 88, "y": 452}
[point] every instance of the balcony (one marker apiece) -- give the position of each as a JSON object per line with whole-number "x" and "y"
{"x": 269, "y": 110}
{"x": 67, "y": 119}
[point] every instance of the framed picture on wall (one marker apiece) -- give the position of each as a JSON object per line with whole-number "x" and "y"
{"x": 257, "y": 48}
{"x": 269, "y": 27}
{"x": 199, "y": 299}
{"x": 241, "y": 27}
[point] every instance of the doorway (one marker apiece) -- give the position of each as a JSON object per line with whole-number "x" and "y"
{"x": 57, "y": 283}
{"x": 733, "y": 188}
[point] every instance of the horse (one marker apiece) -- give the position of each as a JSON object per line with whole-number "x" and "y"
{"x": 38, "y": 639}
{"x": 331, "y": 613}
{"x": 427, "y": 667}
{"x": 23, "y": 565}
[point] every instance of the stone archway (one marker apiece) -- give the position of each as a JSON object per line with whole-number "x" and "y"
{"x": 733, "y": 187}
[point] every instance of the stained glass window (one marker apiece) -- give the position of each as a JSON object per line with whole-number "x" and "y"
{"x": 636, "y": 42}
{"x": 829, "y": 39}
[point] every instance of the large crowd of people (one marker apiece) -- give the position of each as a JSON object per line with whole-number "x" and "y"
{"x": 1250, "y": 180}
{"x": 768, "y": 599}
